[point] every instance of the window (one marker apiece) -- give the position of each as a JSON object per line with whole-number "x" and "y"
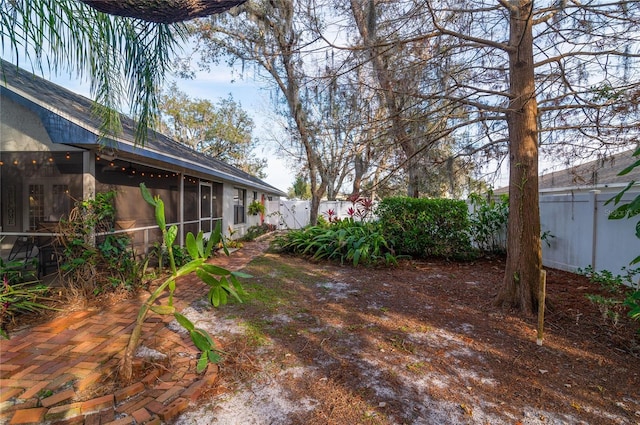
{"x": 238, "y": 206}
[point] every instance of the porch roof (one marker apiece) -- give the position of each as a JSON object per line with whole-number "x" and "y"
{"x": 68, "y": 119}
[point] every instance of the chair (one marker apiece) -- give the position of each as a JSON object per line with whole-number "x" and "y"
{"x": 23, "y": 249}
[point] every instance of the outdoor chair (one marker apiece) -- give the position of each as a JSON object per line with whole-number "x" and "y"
{"x": 23, "y": 249}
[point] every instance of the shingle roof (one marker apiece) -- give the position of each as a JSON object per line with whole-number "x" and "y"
{"x": 59, "y": 107}
{"x": 594, "y": 173}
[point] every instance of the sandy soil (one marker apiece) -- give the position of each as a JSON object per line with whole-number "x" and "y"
{"x": 321, "y": 343}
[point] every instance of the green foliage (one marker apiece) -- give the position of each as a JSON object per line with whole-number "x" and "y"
{"x": 622, "y": 293}
{"x": 627, "y": 209}
{"x": 487, "y": 222}
{"x": 258, "y": 230}
{"x": 222, "y": 130}
{"x": 222, "y": 284}
{"x": 301, "y": 188}
{"x": 426, "y": 227}
{"x": 256, "y": 208}
{"x": 18, "y": 296}
{"x": 134, "y": 57}
{"x": 90, "y": 264}
{"x": 345, "y": 240}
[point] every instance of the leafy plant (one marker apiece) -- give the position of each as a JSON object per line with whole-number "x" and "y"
{"x": 346, "y": 240}
{"x": 627, "y": 209}
{"x": 258, "y": 230}
{"x": 488, "y": 220}
{"x": 425, "y": 227}
{"x": 19, "y": 297}
{"x": 222, "y": 285}
{"x": 256, "y": 208}
{"x": 91, "y": 264}
{"x": 623, "y": 293}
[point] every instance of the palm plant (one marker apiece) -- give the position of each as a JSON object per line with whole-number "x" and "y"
{"x": 125, "y": 59}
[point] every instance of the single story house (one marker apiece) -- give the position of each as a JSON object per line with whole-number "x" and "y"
{"x": 51, "y": 155}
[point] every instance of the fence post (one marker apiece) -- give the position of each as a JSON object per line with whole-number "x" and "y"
{"x": 593, "y": 208}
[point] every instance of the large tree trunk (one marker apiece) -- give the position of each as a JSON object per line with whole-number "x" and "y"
{"x": 163, "y": 11}
{"x": 524, "y": 255}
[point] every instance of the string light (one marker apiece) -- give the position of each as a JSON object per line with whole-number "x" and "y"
{"x": 67, "y": 155}
{"x": 50, "y": 159}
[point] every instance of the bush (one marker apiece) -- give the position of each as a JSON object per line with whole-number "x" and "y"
{"x": 258, "y": 230}
{"x": 426, "y": 227}
{"x": 622, "y": 293}
{"x": 345, "y": 240}
{"x": 19, "y": 294}
{"x": 488, "y": 222}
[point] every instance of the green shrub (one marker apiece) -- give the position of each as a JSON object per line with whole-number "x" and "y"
{"x": 426, "y": 227}
{"x": 258, "y": 230}
{"x": 344, "y": 240}
{"x": 488, "y": 222}
{"x": 622, "y": 293}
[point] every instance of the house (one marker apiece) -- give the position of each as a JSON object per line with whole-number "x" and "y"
{"x": 51, "y": 155}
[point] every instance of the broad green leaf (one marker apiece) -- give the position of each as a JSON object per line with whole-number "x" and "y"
{"x": 214, "y": 357}
{"x": 203, "y": 361}
{"x": 162, "y": 309}
{"x": 216, "y": 270}
{"x": 160, "y": 214}
{"x": 200, "y": 244}
{"x": 638, "y": 230}
{"x": 616, "y": 199}
{"x": 147, "y": 195}
{"x": 629, "y": 168}
{"x": 201, "y": 339}
{"x": 206, "y": 277}
{"x": 241, "y": 275}
{"x": 191, "y": 246}
{"x": 172, "y": 233}
{"x": 190, "y": 267}
{"x": 214, "y": 296}
{"x": 184, "y": 322}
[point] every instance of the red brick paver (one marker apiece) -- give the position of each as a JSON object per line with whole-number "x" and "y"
{"x": 54, "y": 371}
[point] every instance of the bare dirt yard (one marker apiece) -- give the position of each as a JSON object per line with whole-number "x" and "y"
{"x": 421, "y": 343}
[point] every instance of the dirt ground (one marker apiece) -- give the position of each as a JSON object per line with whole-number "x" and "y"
{"x": 422, "y": 343}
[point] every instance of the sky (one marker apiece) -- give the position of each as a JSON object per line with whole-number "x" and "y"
{"x": 215, "y": 85}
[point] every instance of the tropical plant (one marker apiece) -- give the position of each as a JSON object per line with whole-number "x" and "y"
{"x": 93, "y": 259}
{"x": 622, "y": 293}
{"x": 222, "y": 284}
{"x": 344, "y": 240}
{"x": 488, "y": 221}
{"x": 125, "y": 59}
{"x": 627, "y": 209}
{"x": 18, "y": 296}
{"x": 256, "y": 208}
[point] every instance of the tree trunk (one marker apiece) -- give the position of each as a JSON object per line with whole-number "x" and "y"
{"x": 524, "y": 255}
{"x": 163, "y": 11}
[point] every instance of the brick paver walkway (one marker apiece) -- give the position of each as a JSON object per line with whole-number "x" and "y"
{"x": 52, "y": 373}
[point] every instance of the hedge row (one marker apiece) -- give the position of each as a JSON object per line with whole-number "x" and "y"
{"x": 423, "y": 227}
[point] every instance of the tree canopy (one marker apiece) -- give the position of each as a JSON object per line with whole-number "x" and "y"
{"x": 223, "y": 130}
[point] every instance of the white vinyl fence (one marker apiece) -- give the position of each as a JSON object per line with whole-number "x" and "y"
{"x": 296, "y": 214}
{"x": 583, "y": 234}
{"x": 577, "y": 220}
